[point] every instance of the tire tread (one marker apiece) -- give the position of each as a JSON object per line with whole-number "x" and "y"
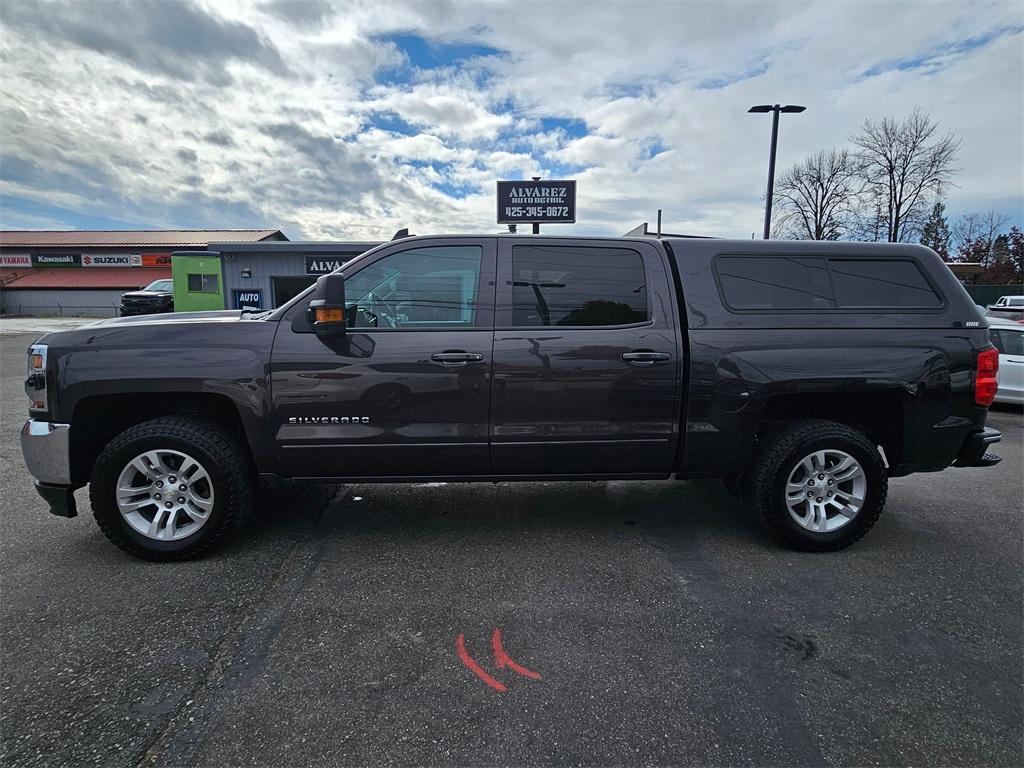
{"x": 767, "y": 460}
{"x": 232, "y": 463}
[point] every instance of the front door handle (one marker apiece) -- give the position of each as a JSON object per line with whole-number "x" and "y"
{"x": 456, "y": 358}
{"x": 644, "y": 358}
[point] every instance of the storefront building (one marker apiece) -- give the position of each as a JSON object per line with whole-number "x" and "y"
{"x": 266, "y": 275}
{"x": 78, "y": 273}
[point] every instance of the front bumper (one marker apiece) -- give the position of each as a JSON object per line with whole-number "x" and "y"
{"x": 45, "y": 448}
{"x": 974, "y": 451}
{"x": 155, "y": 309}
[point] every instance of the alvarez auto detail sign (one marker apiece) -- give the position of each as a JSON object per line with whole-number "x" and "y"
{"x": 322, "y": 265}
{"x": 540, "y": 202}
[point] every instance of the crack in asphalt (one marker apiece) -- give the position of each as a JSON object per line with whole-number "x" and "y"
{"x": 241, "y": 651}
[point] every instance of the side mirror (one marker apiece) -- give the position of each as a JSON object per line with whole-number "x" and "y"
{"x": 326, "y": 312}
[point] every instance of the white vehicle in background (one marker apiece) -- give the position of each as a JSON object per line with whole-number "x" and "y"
{"x": 1009, "y": 301}
{"x": 1008, "y": 307}
{"x": 1008, "y": 337}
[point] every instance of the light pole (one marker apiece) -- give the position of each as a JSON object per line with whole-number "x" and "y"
{"x": 775, "y": 109}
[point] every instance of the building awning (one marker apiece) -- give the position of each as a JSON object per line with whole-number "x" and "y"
{"x": 67, "y": 278}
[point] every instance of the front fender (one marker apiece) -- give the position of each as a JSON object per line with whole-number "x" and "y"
{"x": 230, "y": 360}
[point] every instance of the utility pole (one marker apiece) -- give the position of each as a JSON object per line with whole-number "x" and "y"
{"x": 536, "y": 224}
{"x": 775, "y": 109}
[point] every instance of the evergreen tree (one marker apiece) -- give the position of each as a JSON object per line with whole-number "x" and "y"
{"x": 935, "y": 233}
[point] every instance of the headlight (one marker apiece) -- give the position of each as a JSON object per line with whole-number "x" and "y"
{"x": 35, "y": 384}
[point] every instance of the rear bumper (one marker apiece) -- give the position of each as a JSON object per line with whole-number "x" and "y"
{"x": 974, "y": 452}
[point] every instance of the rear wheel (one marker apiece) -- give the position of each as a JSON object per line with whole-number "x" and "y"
{"x": 816, "y": 485}
{"x": 171, "y": 488}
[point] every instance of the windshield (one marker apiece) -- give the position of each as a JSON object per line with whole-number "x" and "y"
{"x": 160, "y": 285}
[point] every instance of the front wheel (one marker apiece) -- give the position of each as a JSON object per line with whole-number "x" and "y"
{"x": 171, "y": 488}
{"x": 816, "y": 485}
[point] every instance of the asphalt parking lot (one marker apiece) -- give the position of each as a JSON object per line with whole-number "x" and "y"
{"x": 664, "y": 626}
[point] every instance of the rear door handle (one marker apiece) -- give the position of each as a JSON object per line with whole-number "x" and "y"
{"x": 645, "y": 358}
{"x": 456, "y": 358}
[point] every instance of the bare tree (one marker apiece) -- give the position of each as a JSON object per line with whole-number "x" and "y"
{"x": 904, "y": 165}
{"x": 978, "y": 228}
{"x": 816, "y": 198}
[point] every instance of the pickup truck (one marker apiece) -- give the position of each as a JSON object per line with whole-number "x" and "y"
{"x": 805, "y": 375}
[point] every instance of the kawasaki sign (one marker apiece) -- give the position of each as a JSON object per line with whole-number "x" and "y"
{"x": 56, "y": 259}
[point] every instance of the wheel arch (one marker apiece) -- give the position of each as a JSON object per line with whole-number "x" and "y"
{"x": 878, "y": 415}
{"x": 99, "y": 418}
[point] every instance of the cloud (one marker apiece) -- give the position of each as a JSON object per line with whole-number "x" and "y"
{"x": 447, "y": 110}
{"x": 338, "y": 120}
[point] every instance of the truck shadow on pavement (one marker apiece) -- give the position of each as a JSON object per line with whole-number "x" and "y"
{"x": 696, "y": 509}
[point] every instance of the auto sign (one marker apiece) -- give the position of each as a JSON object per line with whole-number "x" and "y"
{"x": 536, "y": 202}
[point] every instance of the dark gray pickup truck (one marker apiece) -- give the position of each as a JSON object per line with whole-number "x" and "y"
{"x": 803, "y": 374}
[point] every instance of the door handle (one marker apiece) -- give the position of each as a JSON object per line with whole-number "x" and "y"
{"x": 456, "y": 358}
{"x": 644, "y": 358}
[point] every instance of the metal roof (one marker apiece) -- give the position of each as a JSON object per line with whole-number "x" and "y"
{"x": 77, "y": 278}
{"x": 169, "y": 238}
{"x": 301, "y": 246}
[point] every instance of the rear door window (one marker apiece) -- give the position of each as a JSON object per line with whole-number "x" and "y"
{"x": 775, "y": 282}
{"x": 881, "y": 283}
{"x": 577, "y": 286}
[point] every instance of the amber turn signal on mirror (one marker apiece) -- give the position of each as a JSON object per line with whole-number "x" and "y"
{"x": 329, "y": 314}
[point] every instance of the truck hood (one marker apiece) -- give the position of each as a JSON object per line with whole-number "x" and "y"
{"x": 147, "y": 329}
{"x": 220, "y": 315}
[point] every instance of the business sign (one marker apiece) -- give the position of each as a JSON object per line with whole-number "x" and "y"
{"x": 114, "y": 260}
{"x": 21, "y": 260}
{"x": 155, "y": 259}
{"x": 249, "y": 299}
{"x": 56, "y": 259}
{"x": 321, "y": 265}
{"x": 536, "y": 202}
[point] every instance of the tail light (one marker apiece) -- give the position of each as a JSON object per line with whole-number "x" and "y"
{"x": 985, "y": 383}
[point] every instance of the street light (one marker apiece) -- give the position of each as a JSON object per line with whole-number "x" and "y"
{"x": 775, "y": 109}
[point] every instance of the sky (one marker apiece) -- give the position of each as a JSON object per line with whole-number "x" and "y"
{"x": 351, "y": 120}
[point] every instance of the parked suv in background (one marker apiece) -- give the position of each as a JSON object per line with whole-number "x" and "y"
{"x": 158, "y": 296}
{"x": 803, "y": 374}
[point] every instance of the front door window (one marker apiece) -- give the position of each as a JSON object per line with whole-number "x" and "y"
{"x": 432, "y": 287}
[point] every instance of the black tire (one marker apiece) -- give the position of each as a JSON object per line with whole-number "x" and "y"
{"x": 227, "y": 463}
{"x": 775, "y": 455}
{"x": 734, "y": 485}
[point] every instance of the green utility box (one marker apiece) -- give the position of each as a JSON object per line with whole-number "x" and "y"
{"x": 198, "y": 281}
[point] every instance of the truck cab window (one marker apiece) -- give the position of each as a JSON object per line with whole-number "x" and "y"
{"x": 577, "y": 286}
{"x": 877, "y": 283}
{"x": 434, "y": 287}
{"x": 774, "y": 282}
